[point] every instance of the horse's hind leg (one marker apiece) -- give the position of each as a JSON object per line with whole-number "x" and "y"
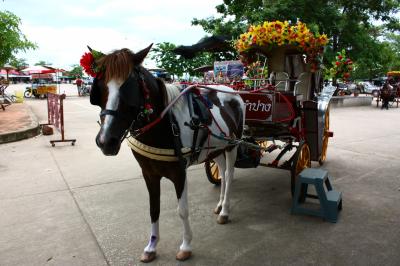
{"x": 153, "y": 186}
{"x": 230, "y": 167}
{"x": 221, "y": 162}
{"x": 185, "y": 250}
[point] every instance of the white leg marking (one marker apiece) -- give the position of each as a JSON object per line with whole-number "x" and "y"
{"x": 230, "y": 167}
{"x": 221, "y": 162}
{"x": 112, "y": 104}
{"x": 154, "y": 238}
{"x": 183, "y": 210}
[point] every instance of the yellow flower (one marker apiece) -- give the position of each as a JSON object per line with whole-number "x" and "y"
{"x": 282, "y": 33}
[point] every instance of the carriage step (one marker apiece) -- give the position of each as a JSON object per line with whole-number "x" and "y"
{"x": 330, "y": 201}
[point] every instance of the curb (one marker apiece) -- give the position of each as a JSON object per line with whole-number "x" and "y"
{"x": 28, "y": 132}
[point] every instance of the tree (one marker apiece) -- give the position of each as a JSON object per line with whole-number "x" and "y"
{"x": 43, "y": 63}
{"x": 77, "y": 71}
{"x": 394, "y": 44}
{"x": 12, "y": 39}
{"x": 349, "y": 23}
{"x": 18, "y": 63}
{"x": 175, "y": 64}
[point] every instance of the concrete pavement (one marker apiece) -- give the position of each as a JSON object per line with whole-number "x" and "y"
{"x": 70, "y": 205}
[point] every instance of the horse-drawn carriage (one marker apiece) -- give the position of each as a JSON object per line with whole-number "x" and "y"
{"x": 389, "y": 94}
{"x": 287, "y": 114}
{"x": 166, "y": 134}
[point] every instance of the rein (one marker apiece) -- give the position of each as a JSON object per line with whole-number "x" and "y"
{"x": 137, "y": 132}
{"x": 183, "y": 92}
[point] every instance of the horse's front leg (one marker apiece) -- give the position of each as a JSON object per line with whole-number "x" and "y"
{"x": 223, "y": 217}
{"x": 153, "y": 186}
{"x": 185, "y": 250}
{"x": 221, "y": 162}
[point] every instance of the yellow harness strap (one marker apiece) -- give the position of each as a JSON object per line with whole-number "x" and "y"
{"x": 166, "y": 155}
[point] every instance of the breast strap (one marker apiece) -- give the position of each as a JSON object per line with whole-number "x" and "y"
{"x": 166, "y": 155}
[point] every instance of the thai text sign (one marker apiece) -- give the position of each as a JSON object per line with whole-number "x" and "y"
{"x": 258, "y": 106}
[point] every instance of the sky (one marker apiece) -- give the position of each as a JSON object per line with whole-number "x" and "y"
{"x": 63, "y": 29}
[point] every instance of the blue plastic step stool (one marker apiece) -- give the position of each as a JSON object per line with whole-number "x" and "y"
{"x": 330, "y": 200}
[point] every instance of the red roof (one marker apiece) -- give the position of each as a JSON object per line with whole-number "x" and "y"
{"x": 10, "y": 72}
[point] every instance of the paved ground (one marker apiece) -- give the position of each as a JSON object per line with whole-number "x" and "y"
{"x": 70, "y": 205}
{"x": 8, "y": 121}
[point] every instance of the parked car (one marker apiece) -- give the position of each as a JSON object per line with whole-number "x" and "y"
{"x": 345, "y": 89}
{"x": 369, "y": 88}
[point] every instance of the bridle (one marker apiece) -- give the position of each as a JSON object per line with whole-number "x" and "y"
{"x": 142, "y": 117}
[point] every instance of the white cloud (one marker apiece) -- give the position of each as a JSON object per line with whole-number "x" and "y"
{"x": 63, "y": 29}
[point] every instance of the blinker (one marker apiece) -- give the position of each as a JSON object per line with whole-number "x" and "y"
{"x": 130, "y": 92}
{"x": 95, "y": 93}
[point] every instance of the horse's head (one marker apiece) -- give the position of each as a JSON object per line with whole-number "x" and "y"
{"x": 117, "y": 90}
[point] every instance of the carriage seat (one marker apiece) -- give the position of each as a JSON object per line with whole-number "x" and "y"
{"x": 282, "y": 81}
{"x": 302, "y": 85}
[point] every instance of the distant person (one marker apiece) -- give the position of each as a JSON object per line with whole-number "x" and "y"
{"x": 79, "y": 83}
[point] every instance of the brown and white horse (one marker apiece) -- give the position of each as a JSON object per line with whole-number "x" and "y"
{"x": 132, "y": 100}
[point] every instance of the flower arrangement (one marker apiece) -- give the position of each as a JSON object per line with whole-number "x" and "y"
{"x": 277, "y": 33}
{"x": 255, "y": 71}
{"x": 342, "y": 66}
{"x": 88, "y": 62}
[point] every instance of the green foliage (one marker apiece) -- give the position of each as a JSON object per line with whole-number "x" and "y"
{"x": 18, "y": 63}
{"x": 76, "y": 71}
{"x": 394, "y": 47}
{"x": 175, "y": 64}
{"x": 43, "y": 63}
{"x": 347, "y": 22}
{"x": 12, "y": 39}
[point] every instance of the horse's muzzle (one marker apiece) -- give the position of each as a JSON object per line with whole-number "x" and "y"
{"x": 109, "y": 145}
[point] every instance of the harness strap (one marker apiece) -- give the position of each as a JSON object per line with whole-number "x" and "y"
{"x": 108, "y": 112}
{"x": 166, "y": 155}
{"x": 177, "y": 144}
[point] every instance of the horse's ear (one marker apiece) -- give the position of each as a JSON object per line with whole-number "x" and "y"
{"x": 141, "y": 55}
{"x": 95, "y": 53}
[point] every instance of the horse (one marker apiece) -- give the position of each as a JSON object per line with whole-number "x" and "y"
{"x": 133, "y": 101}
{"x": 387, "y": 93}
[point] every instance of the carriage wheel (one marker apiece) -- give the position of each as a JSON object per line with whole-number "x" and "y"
{"x": 301, "y": 161}
{"x": 212, "y": 172}
{"x": 325, "y": 139}
{"x": 27, "y": 94}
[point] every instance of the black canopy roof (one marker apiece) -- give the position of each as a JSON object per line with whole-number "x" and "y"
{"x": 206, "y": 44}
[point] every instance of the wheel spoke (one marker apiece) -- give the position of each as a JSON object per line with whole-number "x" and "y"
{"x": 214, "y": 170}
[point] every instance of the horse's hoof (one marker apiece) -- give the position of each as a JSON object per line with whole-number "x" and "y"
{"x": 183, "y": 255}
{"x": 218, "y": 209}
{"x": 148, "y": 257}
{"x": 222, "y": 219}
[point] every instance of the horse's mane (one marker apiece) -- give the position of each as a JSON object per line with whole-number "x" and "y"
{"x": 173, "y": 91}
{"x": 117, "y": 65}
